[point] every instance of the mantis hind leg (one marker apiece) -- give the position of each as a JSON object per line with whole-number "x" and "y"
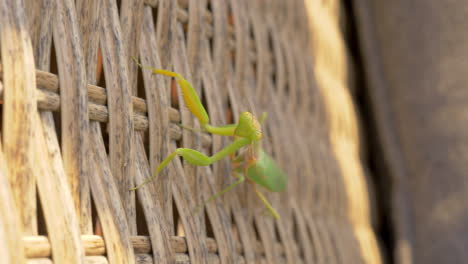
{"x": 266, "y": 203}
{"x": 241, "y": 180}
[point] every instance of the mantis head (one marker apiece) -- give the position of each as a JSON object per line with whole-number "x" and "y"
{"x": 249, "y": 127}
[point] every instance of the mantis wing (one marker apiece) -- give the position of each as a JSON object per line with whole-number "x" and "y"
{"x": 266, "y": 173}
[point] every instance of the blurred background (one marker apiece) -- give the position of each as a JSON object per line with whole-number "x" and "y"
{"x": 410, "y": 62}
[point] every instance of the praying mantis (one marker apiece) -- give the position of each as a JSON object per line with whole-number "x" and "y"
{"x": 252, "y": 164}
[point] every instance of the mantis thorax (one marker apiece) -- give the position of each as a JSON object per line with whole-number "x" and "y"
{"x": 249, "y": 127}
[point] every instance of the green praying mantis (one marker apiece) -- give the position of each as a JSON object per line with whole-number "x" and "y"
{"x": 252, "y": 164}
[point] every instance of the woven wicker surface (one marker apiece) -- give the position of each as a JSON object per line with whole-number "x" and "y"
{"x": 103, "y": 125}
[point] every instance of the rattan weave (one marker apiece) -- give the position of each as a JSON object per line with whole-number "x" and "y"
{"x": 103, "y": 124}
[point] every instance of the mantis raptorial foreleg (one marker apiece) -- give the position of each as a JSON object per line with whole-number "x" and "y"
{"x": 197, "y": 158}
{"x": 190, "y": 95}
{"x": 227, "y": 130}
{"x": 194, "y": 104}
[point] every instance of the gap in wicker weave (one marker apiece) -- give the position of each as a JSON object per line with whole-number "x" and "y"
{"x": 257, "y": 238}
{"x": 101, "y": 77}
{"x": 96, "y": 226}
{"x": 41, "y": 228}
{"x": 296, "y": 236}
{"x": 230, "y": 19}
{"x": 142, "y": 94}
{"x": 209, "y": 9}
{"x": 253, "y": 50}
{"x": 58, "y": 125}
{"x": 178, "y": 226}
{"x": 154, "y": 13}
{"x": 273, "y": 62}
{"x": 142, "y": 225}
{"x": 234, "y": 229}
{"x": 57, "y": 114}
{"x": 101, "y": 82}
{"x": 140, "y": 84}
{"x": 53, "y": 60}
{"x": 228, "y": 112}
{"x": 277, "y": 234}
{"x": 105, "y": 136}
{"x": 208, "y": 151}
{"x": 208, "y": 226}
{"x": 179, "y": 144}
{"x": 174, "y": 94}
{"x": 118, "y": 3}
